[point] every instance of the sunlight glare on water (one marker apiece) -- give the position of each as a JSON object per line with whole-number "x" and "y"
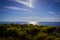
{"x": 32, "y": 22}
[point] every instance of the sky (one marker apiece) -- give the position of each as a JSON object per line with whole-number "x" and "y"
{"x": 30, "y": 10}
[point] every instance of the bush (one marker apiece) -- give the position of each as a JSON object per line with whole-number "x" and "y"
{"x": 28, "y": 32}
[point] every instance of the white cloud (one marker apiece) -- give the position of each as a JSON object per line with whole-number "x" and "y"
{"x": 51, "y": 12}
{"x": 15, "y": 8}
{"x": 28, "y": 3}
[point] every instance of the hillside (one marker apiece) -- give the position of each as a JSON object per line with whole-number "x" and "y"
{"x": 28, "y": 32}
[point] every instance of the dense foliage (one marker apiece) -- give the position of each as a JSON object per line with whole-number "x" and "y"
{"x": 28, "y": 32}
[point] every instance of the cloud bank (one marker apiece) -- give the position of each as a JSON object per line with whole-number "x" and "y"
{"x": 37, "y": 19}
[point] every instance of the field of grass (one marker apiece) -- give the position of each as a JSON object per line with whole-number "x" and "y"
{"x": 28, "y": 32}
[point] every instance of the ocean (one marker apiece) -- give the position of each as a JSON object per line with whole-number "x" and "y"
{"x": 40, "y": 23}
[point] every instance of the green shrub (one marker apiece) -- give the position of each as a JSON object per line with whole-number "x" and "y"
{"x": 28, "y": 32}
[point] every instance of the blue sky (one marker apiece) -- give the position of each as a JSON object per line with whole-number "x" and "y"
{"x": 30, "y": 10}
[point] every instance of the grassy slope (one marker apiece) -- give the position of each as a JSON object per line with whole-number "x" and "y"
{"x": 28, "y": 32}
